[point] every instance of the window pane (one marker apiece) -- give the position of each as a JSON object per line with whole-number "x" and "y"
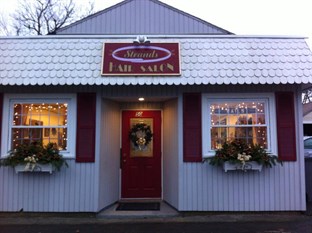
{"x": 260, "y": 107}
{"x": 260, "y": 119}
{"x": 56, "y": 135}
{"x": 218, "y": 136}
{"x": 260, "y": 136}
{"x": 17, "y": 114}
{"x": 35, "y": 121}
{"x": 308, "y": 143}
{"x": 242, "y": 132}
{"x": 26, "y": 135}
{"x": 241, "y": 120}
{"x": 214, "y": 119}
{"x": 252, "y": 119}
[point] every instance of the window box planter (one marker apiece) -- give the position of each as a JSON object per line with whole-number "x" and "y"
{"x": 34, "y": 168}
{"x": 238, "y": 155}
{"x": 35, "y": 157}
{"x": 252, "y": 165}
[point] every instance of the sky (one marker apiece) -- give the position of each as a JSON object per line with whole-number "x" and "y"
{"x": 242, "y": 17}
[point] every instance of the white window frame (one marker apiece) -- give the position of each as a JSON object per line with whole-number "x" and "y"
{"x": 270, "y": 117}
{"x": 7, "y": 116}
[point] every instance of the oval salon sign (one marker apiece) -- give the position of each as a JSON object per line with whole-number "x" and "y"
{"x": 141, "y": 59}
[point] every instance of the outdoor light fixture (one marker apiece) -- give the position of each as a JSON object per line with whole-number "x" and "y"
{"x": 141, "y": 40}
{"x": 141, "y": 99}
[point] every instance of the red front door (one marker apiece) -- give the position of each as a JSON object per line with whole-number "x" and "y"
{"x": 141, "y": 154}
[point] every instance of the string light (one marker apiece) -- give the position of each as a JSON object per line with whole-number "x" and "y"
{"x": 24, "y": 113}
{"x": 244, "y": 114}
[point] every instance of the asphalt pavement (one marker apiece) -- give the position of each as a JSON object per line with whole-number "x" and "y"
{"x": 186, "y": 222}
{"x": 165, "y": 227}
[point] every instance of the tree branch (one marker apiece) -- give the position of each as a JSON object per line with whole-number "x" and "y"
{"x": 46, "y": 16}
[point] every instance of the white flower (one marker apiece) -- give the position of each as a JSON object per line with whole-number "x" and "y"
{"x": 243, "y": 157}
{"x": 31, "y": 159}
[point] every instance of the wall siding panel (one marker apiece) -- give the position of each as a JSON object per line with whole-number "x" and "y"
{"x": 109, "y": 154}
{"x": 142, "y": 17}
{"x": 170, "y": 153}
{"x": 70, "y": 190}
{"x": 209, "y": 188}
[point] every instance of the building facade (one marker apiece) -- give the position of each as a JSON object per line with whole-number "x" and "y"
{"x": 79, "y": 91}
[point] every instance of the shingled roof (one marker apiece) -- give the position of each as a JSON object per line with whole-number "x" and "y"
{"x": 54, "y": 60}
{"x": 141, "y": 17}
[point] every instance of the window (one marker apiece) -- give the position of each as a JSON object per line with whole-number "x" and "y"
{"x": 246, "y": 118}
{"x": 40, "y": 122}
{"x": 44, "y": 120}
{"x": 308, "y": 143}
{"x": 238, "y": 120}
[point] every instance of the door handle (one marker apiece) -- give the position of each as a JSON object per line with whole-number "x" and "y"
{"x": 122, "y": 158}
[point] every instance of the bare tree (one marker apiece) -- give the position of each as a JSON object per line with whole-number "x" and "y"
{"x": 41, "y": 17}
{"x": 4, "y": 27}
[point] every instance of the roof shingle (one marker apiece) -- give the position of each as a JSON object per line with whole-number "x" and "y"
{"x": 204, "y": 60}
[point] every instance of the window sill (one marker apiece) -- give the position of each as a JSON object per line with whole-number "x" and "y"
{"x": 209, "y": 154}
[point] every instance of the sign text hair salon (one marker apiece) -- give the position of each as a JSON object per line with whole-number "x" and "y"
{"x": 141, "y": 59}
